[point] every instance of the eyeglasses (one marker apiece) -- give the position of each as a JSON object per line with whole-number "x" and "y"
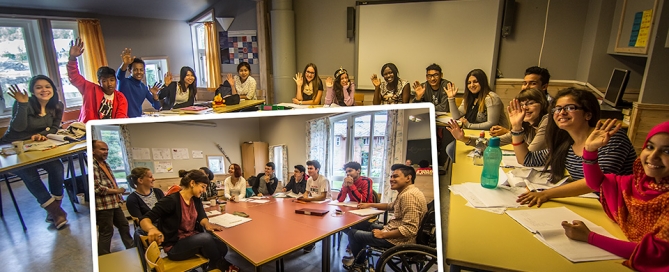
{"x": 432, "y": 75}
{"x": 310, "y": 72}
{"x": 568, "y": 108}
{"x": 528, "y": 103}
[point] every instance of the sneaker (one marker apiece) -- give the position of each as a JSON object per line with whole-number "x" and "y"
{"x": 347, "y": 261}
{"x": 358, "y": 268}
{"x": 309, "y": 248}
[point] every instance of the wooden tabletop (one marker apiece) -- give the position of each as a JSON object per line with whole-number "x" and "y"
{"x": 276, "y": 230}
{"x": 242, "y": 105}
{"x": 11, "y": 162}
{"x": 496, "y": 242}
{"x": 126, "y": 260}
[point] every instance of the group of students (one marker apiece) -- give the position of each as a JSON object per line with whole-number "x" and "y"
{"x": 565, "y": 133}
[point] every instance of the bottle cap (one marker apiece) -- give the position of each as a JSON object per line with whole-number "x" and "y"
{"x": 493, "y": 142}
{"x": 482, "y": 134}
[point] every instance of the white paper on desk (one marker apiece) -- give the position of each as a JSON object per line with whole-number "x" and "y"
{"x": 228, "y": 220}
{"x": 43, "y": 145}
{"x": 492, "y": 210}
{"x": 293, "y": 105}
{"x": 545, "y": 223}
{"x": 366, "y": 212}
{"x": 205, "y": 206}
{"x": 492, "y": 197}
{"x": 345, "y": 204}
{"x": 320, "y": 201}
{"x": 261, "y": 201}
{"x": 212, "y": 213}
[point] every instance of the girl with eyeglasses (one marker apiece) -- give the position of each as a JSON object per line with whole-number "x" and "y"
{"x": 575, "y": 114}
{"x": 528, "y": 114}
{"x": 309, "y": 86}
{"x": 637, "y": 202}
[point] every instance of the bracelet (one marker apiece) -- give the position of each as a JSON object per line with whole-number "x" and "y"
{"x": 300, "y": 102}
{"x": 519, "y": 143}
{"x": 518, "y": 133}
{"x": 469, "y": 141}
{"x": 591, "y": 162}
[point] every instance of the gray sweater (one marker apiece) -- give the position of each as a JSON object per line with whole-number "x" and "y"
{"x": 438, "y": 97}
{"x": 26, "y": 123}
{"x": 494, "y": 113}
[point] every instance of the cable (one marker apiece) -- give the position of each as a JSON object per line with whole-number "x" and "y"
{"x": 543, "y": 39}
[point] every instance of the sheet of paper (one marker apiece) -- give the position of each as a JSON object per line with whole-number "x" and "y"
{"x": 261, "y": 201}
{"x": 180, "y": 153}
{"x": 139, "y": 153}
{"x": 197, "y": 154}
{"x": 320, "y": 202}
{"x": 146, "y": 164}
{"x": 43, "y": 145}
{"x": 492, "y": 210}
{"x": 345, "y": 204}
{"x": 163, "y": 166}
{"x": 492, "y": 197}
{"x": 366, "y": 212}
{"x": 280, "y": 195}
{"x": 293, "y": 195}
{"x": 161, "y": 153}
{"x": 212, "y": 213}
{"x": 228, "y": 220}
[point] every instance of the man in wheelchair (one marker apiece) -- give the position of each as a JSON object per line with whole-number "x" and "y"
{"x": 409, "y": 208}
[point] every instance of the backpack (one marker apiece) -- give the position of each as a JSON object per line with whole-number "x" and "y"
{"x": 427, "y": 231}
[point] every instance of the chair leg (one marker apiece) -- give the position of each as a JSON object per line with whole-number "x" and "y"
{"x": 16, "y": 205}
{"x": 1, "y": 213}
{"x": 82, "y": 167}
{"x": 339, "y": 241}
{"x": 73, "y": 177}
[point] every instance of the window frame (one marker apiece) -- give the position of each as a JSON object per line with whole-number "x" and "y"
{"x": 65, "y": 24}
{"x": 224, "y": 167}
{"x": 199, "y": 54}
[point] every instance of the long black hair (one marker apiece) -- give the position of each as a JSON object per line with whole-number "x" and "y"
{"x": 559, "y": 140}
{"x": 182, "y": 82}
{"x": 396, "y": 73}
{"x": 469, "y": 97}
{"x": 338, "y": 88}
{"x": 54, "y": 107}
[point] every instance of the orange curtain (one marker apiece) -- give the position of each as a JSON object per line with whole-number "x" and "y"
{"x": 94, "y": 55}
{"x": 212, "y": 53}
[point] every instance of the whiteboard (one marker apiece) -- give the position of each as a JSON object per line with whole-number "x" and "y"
{"x": 458, "y": 35}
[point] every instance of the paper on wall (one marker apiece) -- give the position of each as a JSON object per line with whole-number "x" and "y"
{"x": 161, "y": 153}
{"x": 180, "y": 153}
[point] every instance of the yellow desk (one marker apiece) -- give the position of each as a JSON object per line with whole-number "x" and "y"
{"x": 484, "y": 240}
{"x": 126, "y": 260}
{"x": 242, "y": 105}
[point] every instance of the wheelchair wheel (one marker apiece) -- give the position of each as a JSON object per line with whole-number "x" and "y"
{"x": 408, "y": 258}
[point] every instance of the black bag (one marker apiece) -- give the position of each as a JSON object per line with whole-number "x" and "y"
{"x": 224, "y": 89}
{"x": 80, "y": 187}
{"x": 232, "y": 100}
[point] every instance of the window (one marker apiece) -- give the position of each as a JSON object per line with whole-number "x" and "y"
{"x": 63, "y": 33}
{"x": 117, "y": 159}
{"x": 337, "y": 140}
{"x": 217, "y": 164}
{"x": 278, "y": 161}
{"x": 197, "y": 35}
{"x": 370, "y": 154}
{"x": 155, "y": 70}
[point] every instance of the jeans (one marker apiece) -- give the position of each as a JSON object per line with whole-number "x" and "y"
{"x": 34, "y": 183}
{"x": 450, "y": 150}
{"x": 106, "y": 220}
{"x": 358, "y": 239}
{"x": 204, "y": 243}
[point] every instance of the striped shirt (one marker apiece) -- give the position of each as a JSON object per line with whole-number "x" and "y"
{"x": 409, "y": 208}
{"x": 617, "y": 157}
{"x": 103, "y": 182}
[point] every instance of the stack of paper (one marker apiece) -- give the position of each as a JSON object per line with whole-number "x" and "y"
{"x": 492, "y": 200}
{"x": 261, "y": 201}
{"x": 366, "y": 212}
{"x": 345, "y": 204}
{"x": 43, "y": 145}
{"x": 288, "y": 194}
{"x": 228, "y": 220}
{"x": 545, "y": 223}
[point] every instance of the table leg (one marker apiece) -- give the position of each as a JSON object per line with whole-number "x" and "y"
{"x": 82, "y": 168}
{"x": 73, "y": 177}
{"x": 326, "y": 254}
{"x": 258, "y": 269}
{"x": 16, "y": 206}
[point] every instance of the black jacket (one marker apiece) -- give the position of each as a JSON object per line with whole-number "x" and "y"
{"x": 270, "y": 187}
{"x": 137, "y": 207}
{"x": 168, "y": 211}
{"x": 169, "y": 94}
{"x": 298, "y": 188}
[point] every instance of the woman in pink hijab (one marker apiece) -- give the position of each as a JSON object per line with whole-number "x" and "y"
{"x": 639, "y": 203}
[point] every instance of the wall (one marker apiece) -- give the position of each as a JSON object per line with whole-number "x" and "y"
{"x": 289, "y": 131}
{"x": 229, "y": 133}
{"x": 244, "y": 12}
{"x": 656, "y": 80}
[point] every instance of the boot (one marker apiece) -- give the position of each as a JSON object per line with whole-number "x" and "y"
{"x": 57, "y": 214}
{"x": 49, "y": 218}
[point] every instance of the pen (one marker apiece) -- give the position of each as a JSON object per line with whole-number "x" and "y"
{"x": 507, "y": 166}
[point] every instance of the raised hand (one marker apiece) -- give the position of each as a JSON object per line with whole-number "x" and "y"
{"x": 19, "y": 95}
{"x": 299, "y": 80}
{"x": 167, "y": 79}
{"x": 376, "y": 81}
{"x": 601, "y": 135}
{"x": 576, "y": 230}
{"x": 451, "y": 90}
{"x": 231, "y": 80}
{"x": 155, "y": 88}
{"x": 516, "y": 114}
{"x": 420, "y": 91}
{"x": 329, "y": 82}
{"x": 76, "y": 48}
{"x": 127, "y": 56}
{"x": 455, "y": 130}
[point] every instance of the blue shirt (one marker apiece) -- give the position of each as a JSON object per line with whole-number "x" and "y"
{"x": 135, "y": 92}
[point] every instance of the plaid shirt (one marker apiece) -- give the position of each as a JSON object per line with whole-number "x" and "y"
{"x": 409, "y": 208}
{"x": 103, "y": 200}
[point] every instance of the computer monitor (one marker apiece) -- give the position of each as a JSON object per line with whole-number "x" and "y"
{"x": 616, "y": 88}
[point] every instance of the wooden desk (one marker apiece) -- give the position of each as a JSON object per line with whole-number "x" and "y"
{"x": 483, "y": 240}
{"x": 255, "y": 240}
{"x": 126, "y": 260}
{"x": 242, "y": 105}
{"x": 31, "y": 158}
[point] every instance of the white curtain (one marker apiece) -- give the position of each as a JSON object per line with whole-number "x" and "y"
{"x": 283, "y": 161}
{"x": 395, "y": 152}
{"x": 317, "y": 138}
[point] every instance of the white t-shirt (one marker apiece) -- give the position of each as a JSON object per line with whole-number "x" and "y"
{"x": 316, "y": 187}
{"x": 181, "y": 96}
{"x": 239, "y": 191}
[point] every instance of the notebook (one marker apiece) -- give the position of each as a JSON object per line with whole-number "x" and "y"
{"x": 308, "y": 211}
{"x": 228, "y": 220}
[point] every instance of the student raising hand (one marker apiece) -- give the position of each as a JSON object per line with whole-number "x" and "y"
{"x": 451, "y": 90}
{"x": 376, "y": 81}
{"x": 19, "y": 95}
{"x": 420, "y": 91}
{"x": 329, "y": 82}
{"x": 299, "y": 80}
{"x": 127, "y": 57}
{"x": 230, "y": 79}
{"x": 601, "y": 135}
{"x": 76, "y": 48}
{"x": 167, "y": 79}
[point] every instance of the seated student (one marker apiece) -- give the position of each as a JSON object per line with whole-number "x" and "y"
{"x": 527, "y": 121}
{"x": 318, "y": 189}
{"x": 102, "y": 100}
{"x": 355, "y": 186}
{"x": 235, "y": 184}
{"x": 184, "y": 226}
{"x": 574, "y": 116}
{"x": 267, "y": 182}
{"x": 392, "y": 90}
{"x": 243, "y": 84}
{"x": 481, "y": 108}
{"x": 341, "y": 91}
{"x": 298, "y": 182}
{"x": 309, "y": 86}
{"x": 433, "y": 90}
{"x": 34, "y": 117}
{"x": 145, "y": 196}
{"x": 535, "y": 78}
{"x": 211, "y": 192}
{"x": 178, "y": 94}
{"x": 637, "y": 202}
{"x": 132, "y": 87}
{"x": 409, "y": 208}
{"x": 424, "y": 168}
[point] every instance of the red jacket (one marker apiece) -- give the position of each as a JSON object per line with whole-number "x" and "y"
{"x": 360, "y": 191}
{"x": 92, "y": 96}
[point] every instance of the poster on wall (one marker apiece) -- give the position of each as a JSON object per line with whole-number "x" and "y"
{"x": 139, "y": 153}
{"x": 198, "y": 154}
{"x": 145, "y": 164}
{"x": 161, "y": 153}
{"x": 180, "y": 153}
{"x": 163, "y": 167}
{"x": 238, "y": 46}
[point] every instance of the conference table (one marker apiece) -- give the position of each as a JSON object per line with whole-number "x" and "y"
{"x": 276, "y": 230}
{"x": 243, "y": 104}
{"x": 9, "y": 163}
{"x": 483, "y": 240}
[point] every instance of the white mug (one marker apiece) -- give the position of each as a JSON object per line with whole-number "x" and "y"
{"x": 18, "y": 147}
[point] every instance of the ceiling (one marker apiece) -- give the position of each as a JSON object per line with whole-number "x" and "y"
{"x": 181, "y": 10}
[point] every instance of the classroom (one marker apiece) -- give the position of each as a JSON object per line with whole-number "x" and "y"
{"x": 579, "y": 42}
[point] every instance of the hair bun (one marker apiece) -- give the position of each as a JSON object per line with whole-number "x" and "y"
{"x": 182, "y": 173}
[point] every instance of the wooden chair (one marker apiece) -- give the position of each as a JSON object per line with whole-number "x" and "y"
{"x": 359, "y": 99}
{"x": 155, "y": 262}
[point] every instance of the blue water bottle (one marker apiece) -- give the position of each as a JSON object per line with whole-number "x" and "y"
{"x": 492, "y": 157}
